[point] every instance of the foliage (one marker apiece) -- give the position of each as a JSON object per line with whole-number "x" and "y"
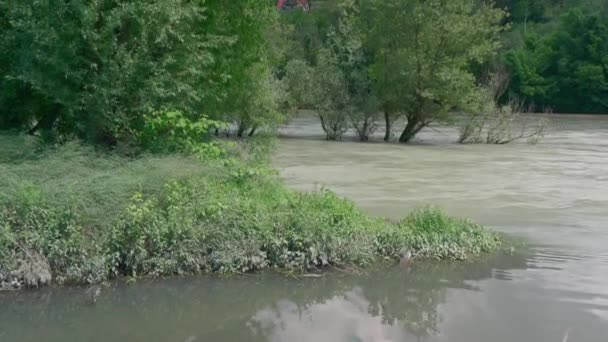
{"x": 338, "y": 85}
{"x": 31, "y": 226}
{"x": 496, "y": 123}
{"x": 93, "y": 69}
{"x": 155, "y": 216}
{"x": 170, "y": 132}
{"x": 261, "y": 102}
{"x": 422, "y": 64}
{"x": 528, "y": 10}
{"x": 331, "y": 98}
{"x": 436, "y": 235}
{"x": 372, "y": 60}
{"x": 566, "y": 69}
{"x": 300, "y": 82}
{"x": 90, "y": 68}
{"x": 346, "y": 42}
{"x": 324, "y": 89}
{"x": 255, "y": 96}
{"x": 308, "y": 31}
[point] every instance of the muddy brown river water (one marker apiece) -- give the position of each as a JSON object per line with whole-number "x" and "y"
{"x": 553, "y": 195}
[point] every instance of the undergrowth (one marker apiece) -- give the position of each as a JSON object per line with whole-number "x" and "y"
{"x": 97, "y": 215}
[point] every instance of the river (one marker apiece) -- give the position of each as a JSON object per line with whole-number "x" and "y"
{"x": 553, "y": 195}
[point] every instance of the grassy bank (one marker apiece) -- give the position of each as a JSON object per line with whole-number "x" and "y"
{"x": 73, "y": 215}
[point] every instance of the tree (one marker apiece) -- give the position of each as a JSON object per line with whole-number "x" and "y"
{"x": 258, "y": 104}
{"x": 330, "y": 96}
{"x": 336, "y": 82}
{"x": 307, "y": 31}
{"x": 496, "y": 123}
{"x": 323, "y": 89}
{"x": 422, "y": 66}
{"x": 346, "y": 43}
{"x": 566, "y": 70}
{"x": 384, "y": 37}
{"x": 524, "y": 11}
{"x": 91, "y": 68}
{"x": 254, "y": 95}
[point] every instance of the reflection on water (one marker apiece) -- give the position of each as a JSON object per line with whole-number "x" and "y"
{"x": 391, "y": 304}
{"x": 341, "y": 318}
{"x": 555, "y": 195}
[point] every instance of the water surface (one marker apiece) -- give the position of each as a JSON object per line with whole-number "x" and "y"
{"x": 555, "y": 195}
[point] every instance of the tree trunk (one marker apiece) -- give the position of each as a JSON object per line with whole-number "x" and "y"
{"x": 324, "y": 127}
{"x": 252, "y": 131}
{"x": 47, "y": 121}
{"x": 387, "y": 120}
{"x": 414, "y": 125}
{"x": 363, "y": 132}
{"x": 241, "y": 130}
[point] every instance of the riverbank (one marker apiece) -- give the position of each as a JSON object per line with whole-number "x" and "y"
{"x": 73, "y": 215}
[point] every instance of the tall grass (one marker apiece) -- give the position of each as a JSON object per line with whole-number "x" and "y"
{"x": 98, "y": 184}
{"x": 96, "y": 215}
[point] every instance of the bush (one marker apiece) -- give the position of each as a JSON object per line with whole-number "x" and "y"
{"x": 199, "y": 225}
{"x": 33, "y": 232}
{"x": 494, "y": 123}
{"x": 170, "y": 131}
{"x": 438, "y": 236}
{"x": 168, "y": 215}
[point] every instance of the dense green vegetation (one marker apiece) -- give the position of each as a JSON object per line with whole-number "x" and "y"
{"x": 92, "y": 69}
{"x": 112, "y": 162}
{"x": 82, "y": 216}
{"x": 401, "y": 58}
{"x": 558, "y": 55}
{"x": 358, "y": 60}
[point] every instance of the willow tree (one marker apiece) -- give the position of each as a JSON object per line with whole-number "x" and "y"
{"x": 346, "y": 43}
{"x": 253, "y": 95}
{"x": 423, "y": 51}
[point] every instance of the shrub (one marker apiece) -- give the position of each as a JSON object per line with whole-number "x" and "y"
{"x": 150, "y": 241}
{"x": 170, "y": 131}
{"x": 438, "y": 236}
{"x": 112, "y": 216}
{"x": 35, "y": 233}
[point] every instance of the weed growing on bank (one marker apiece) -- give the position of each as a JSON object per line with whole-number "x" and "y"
{"x": 85, "y": 216}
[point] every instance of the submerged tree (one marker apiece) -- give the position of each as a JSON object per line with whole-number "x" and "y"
{"x": 336, "y": 82}
{"x": 422, "y": 64}
{"x": 346, "y": 42}
{"x": 258, "y": 104}
{"x": 494, "y": 122}
{"x": 254, "y": 94}
{"x": 330, "y": 96}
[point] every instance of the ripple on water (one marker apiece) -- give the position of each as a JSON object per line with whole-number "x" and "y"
{"x": 554, "y": 193}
